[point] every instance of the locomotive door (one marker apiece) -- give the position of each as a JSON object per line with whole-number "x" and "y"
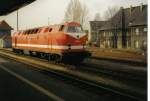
{"x": 15, "y": 43}
{"x": 28, "y": 41}
{"x": 46, "y": 42}
{"x": 49, "y": 42}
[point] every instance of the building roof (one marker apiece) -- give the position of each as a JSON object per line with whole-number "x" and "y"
{"x": 5, "y": 37}
{"x": 114, "y": 22}
{"x": 95, "y": 25}
{"x": 127, "y": 17}
{"x": 4, "y": 25}
{"x": 140, "y": 17}
{"x": 7, "y": 6}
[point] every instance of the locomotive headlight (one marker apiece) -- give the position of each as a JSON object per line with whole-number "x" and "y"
{"x": 69, "y": 46}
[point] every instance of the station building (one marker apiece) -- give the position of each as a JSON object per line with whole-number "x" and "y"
{"x": 5, "y": 35}
{"x": 127, "y": 29}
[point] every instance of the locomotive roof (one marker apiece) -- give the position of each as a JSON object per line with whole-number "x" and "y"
{"x": 72, "y": 23}
{"x": 55, "y": 26}
{"x": 50, "y": 26}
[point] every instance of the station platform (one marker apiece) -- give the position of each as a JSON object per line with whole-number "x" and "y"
{"x": 118, "y": 54}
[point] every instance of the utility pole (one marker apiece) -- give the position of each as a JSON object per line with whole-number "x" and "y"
{"x": 17, "y": 21}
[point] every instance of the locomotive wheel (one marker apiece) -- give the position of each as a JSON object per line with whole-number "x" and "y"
{"x": 51, "y": 57}
{"x": 19, "y": 52}
{"x": 14, "y": 50}
{"x": 58, "y": 58}
{"x": 54, "y": 57}
{"x": 38, "y": 54}
{"x": 43, "y": 55}
{"x": 30, "y": 52}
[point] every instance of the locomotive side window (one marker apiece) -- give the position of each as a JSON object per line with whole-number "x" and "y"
{"x": 50, "y": 29}
{"x": 19, "y": 33}
{"x": 39, "y": 30}
{"x": 75, "y": 29}
{"x": 36, "y": 30}
{"x": 32, "y": 31}
{"x": 25, "y": 32}
{"x": 29, "y": 32}
{"x": 46, "y": 30}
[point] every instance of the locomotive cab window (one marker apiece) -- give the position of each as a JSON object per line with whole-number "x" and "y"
{"x": 74, "y": 29}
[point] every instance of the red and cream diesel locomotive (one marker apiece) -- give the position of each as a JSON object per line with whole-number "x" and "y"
{"x": 61, "y": 42}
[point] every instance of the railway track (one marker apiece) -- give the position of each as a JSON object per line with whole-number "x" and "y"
{"x": 130, "y": 62}
{"x": 132, "y": 74}
{"x": 74, "y": 75}
{"x": 126, "y": 73}
{"x": 129, "y": 74}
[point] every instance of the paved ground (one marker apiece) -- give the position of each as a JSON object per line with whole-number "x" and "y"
{"x": 19, "y": 82}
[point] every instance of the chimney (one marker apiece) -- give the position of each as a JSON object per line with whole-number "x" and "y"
{"x": 141, "y": 7}
{"x": 121, "y": 8}
{"x": 130, "y": 9}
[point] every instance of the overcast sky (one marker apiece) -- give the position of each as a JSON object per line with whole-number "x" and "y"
{"x": 37, "y": 13}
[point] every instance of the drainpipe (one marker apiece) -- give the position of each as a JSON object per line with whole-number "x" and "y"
{"x": 123, "y": 28}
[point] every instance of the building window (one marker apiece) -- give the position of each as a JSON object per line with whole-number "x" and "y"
{"x": 145, "y": 29}
{"x": 110, "y": 33}
{"x": 108, "y": 43}
{"x": 144, "y": 43}
{"x": 136, "y": 44}
{"x": 104, "y": 44}
{"x": 127, "y": 43}
{"x": 137, "y": 31}
{"x": 104, "y": 34}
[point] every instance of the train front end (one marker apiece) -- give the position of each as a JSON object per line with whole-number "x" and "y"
{"x": 76, "y": 40}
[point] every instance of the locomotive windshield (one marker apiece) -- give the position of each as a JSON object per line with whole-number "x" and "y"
{"x": 75, "y": 29}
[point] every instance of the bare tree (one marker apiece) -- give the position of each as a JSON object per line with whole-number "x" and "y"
{"x": 110, "y": 12}
{"x": 76, "y": 12}
{"x": 97, "y": 17}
